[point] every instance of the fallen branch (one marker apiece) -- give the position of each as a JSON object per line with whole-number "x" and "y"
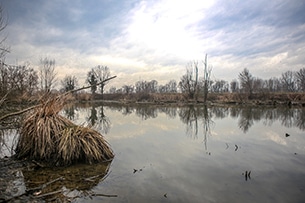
{"x": 44, "y": 185}
{"x": 30, "y": 191}
{"x": 47, "y": 194}
{"x": 82, "y": 88}
{"x": 18, "y": 112}
{"x": 103, "y": 195}
{"x": 3, "y": 99}
{"x": 58, "y": 97}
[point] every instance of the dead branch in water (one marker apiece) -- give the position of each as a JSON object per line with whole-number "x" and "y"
{"x": 30, "y": 191}
{"x": 44, "y": 185}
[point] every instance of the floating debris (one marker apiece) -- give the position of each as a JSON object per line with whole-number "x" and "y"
{"x": 247, "y": 175}
{"x": 137, "y": 170}
{"x": 236, "y": 147}
{"x": 287, "y": 135}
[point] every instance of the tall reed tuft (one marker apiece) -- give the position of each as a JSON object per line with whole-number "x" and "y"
{"x": 49, "y": 137}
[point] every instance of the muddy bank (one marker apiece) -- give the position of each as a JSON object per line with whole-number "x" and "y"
{"x": 24, "y": 181}
{"x": 12, "y": 187}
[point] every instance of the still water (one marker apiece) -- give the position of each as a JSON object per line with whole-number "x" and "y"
{"x": 192, "y": 154}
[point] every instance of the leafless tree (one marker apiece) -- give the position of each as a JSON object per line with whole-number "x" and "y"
{"x": 189, "y": 81}
{"x": 300, "y": 79}
{"x": 127, "y": 89}
{"x": 153, "y": 86}
{"x": 92, "y": 80}
{"x": 246, "y": 81}
{"x": 206, "y": 78}
{"x": 234, "y": 86}
{"x": 258, "y": 85}
{"x": 102, "y": 73}
{"x": 146, "y": 86}
{"x": 220, "y": 86}
{"x": 112, "y": 90}
{"x": 69, "y": 83}
{"x": 288, "y": 81}
{"x": 4, "y": 49}
{"x": 47, "y": 74}
{"x": 272, "y": 84}
{"x": 17, "y": 80}
{"x": 171, "y": 86}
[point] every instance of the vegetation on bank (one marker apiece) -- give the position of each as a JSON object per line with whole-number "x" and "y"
{"x": 274, "y": 99}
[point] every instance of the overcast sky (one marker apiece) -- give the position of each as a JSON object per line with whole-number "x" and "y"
{"x": 155, "y": 39}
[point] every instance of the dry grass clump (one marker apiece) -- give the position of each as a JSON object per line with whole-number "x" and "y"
{"x": 49, "y": 137}
{"x": 82, "y": 143}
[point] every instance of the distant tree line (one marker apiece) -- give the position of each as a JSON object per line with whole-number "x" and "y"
{"x": 24, "y": 80}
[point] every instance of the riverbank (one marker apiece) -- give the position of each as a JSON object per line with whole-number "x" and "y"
{"x": 259, "y": 99}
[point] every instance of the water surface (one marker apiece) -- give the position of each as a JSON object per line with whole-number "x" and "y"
{"x": 196, "y": 154}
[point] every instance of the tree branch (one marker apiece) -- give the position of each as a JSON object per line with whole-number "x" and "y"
{"x": 58, "y": 97}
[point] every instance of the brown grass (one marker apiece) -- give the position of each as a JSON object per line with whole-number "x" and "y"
{"x": 49, "y": 137}
{"x": 82, "y": 143}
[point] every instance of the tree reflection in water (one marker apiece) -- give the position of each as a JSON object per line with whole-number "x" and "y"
{"x": 104, "y": 123}
{"x": 191, "y": 115}
{"x": 99, "y": 120}
{"x": 300, "y": 120}
{"x": 170, "y": 111}
{"x": 8, "y": 142}
{"x": 245, "y": 120}
{"x": 96, "y": 117}
{"x": 146, "y": 112}
{"x": 70, "y": 112}
{"x": 92, "y": 118}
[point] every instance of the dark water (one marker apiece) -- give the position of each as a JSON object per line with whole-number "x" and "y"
{"x": 189, "y": 154}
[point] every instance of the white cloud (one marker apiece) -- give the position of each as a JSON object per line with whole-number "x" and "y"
{"x": 156, "y": 39}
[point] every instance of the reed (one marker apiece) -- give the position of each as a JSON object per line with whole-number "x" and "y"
{"x": 51, "y": 138}
{"x": 82, "y": 143}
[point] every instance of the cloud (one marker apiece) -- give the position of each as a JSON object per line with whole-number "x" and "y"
{"x": 156, "y": 39}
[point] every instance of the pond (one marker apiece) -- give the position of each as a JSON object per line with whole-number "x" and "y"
{"x": 188, "y": 154}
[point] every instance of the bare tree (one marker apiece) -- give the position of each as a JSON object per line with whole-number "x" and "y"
{"x": 47, "y": 74}
{"x": 112, "y": 90}
{"x": 234, "y": 86}
{"x": 102, "y": 73}
{"x": 92, "y": 80}
{"x": 220, "y": 86}
{"x": 288, "y": 81}
{"x": 127, "y": 89}
{"x": 246, "y": 81}
{"x": 4, "y": 49}
{"x": 258, "y": 85}
{"x": 272, "y": 84}
{"x": 146, "y": 86}
{"x": 189, "y": 82}
{"x": 171, "y": 86}
{"x": 206, "y": 78}
{"x": 17, "y": 80}
{"x": 152, "y": 86}
{"x": 69, "y": 83}
{"x": 300, "y": 79}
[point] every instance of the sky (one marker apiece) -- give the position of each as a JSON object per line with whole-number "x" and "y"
{"x": 156, "y": 39}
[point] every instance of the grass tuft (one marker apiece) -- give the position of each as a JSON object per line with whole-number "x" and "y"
{"x": 49, "y": 137}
